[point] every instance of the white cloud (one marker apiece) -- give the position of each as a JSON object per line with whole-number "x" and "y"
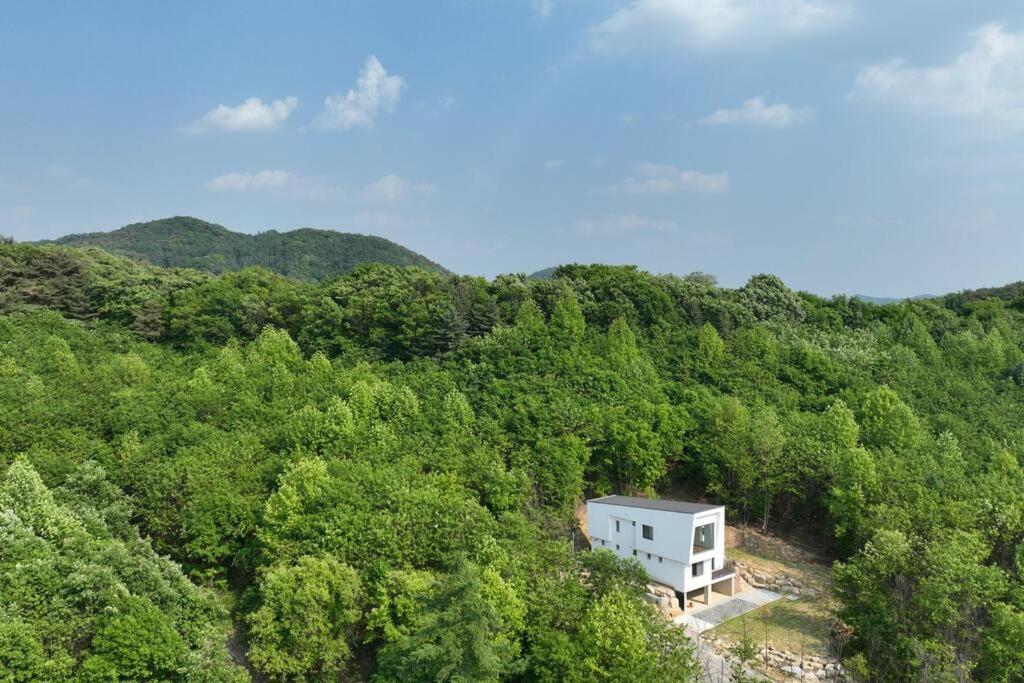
{"x": 624, "y": 223}
{"x": 757, "y": 112}
{"x": 666, "y": 179}
{"x": 543, "y": 7}
{"x": 703, "y": 24}
{"x": 240, "y": 182}
{"x": 552, "y": 164}
{"x": 375, "y": 93}
{"x": 392, "y": 188}
{"x": 306, "y": 187}
{"x": 985, "y": 82}
{"x": 252, "y": 115}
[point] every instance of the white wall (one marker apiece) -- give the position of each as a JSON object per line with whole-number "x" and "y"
{"x": 673, "y": 540}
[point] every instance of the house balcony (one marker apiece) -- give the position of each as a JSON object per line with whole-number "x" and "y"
{"x": 724, "y": 572}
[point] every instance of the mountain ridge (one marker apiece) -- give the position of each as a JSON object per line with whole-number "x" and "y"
{"x": 311, "y": 254}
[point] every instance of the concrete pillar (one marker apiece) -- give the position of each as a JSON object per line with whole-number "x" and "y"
{"x": 707, "y": 594}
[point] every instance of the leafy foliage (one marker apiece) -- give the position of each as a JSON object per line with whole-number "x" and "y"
{"x": 380, "y": 472}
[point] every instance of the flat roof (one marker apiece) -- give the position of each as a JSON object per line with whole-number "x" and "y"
{"x": 656, "y": 504}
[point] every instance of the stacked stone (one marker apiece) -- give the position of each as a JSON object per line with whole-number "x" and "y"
{"x": 807, "y": 668}
{"x": 664, "y": 598}
{"x": 781, "y": 582}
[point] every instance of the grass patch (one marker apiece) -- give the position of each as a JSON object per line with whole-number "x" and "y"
{"x": 792, "y": 625}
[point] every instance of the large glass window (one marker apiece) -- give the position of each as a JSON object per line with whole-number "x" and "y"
{"x": 704, "y": 538}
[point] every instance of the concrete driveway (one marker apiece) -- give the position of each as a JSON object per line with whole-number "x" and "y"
{"x": 741, "y": 603}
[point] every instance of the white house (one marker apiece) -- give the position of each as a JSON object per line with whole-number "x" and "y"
{"x": 680, "y": 544}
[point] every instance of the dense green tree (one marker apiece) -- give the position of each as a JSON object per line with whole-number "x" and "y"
{"x": 465, "y": 633}
{"x": 623, "y": 640}
{"x": 305, "y": 624}
{"x": 82, "y": 592}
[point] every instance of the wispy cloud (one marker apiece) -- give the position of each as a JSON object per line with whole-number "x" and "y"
{"x": 757, "y": 112}
{"x": 543, "y": 7}
{"x": 252, "y": 115}
{"x": 985, "y": 82}
{"x": 389, "y": 188}
{"x": 624, "y": 223}
{"x": 240, "y": 182}
{"x": 393, "y": 188}
{"x": 309, "y": 187}
{"x": 666, "y": 179}
{"x": 375, "y": 93}
{"x": 719, "y": 24}
{"x": 62, "y": 174}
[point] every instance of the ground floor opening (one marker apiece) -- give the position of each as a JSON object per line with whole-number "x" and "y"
{"x": 725, "y": 586}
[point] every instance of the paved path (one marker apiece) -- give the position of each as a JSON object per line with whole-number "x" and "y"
{"x": 741, "y": 603}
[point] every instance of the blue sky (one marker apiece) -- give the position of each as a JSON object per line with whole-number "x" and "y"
{"x": 847, "y": 146}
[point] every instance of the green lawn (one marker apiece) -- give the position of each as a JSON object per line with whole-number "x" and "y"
{"x": 793, "y": 625}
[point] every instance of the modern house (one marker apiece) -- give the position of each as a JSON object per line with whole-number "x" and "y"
{"x": 680, "y": 544}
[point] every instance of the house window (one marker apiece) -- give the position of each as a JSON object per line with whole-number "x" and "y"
{"x": 648, "y": 556}
{"x": 602, "y": 541}
{"x": 704, "y": 538}
{"x": 712, "y": 564}
{"x": 659, "y": 560}
{"x": 616, "y": 526}
{"x": 648, "y": 532}
{"x": 697, "y": 568}
{"x": 634, "y": 552}
{"x": 616, "y": 546}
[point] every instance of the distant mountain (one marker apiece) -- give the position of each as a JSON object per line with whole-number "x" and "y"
{"x": 885, "y": 300}
{"x": 1011, "y": 292}
{"x": 545, "y": 274}
{"x": 305, "y": 254}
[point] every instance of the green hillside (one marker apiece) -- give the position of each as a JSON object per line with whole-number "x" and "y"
{"x": 1012, "y": 293}
{"x": 375, "y": 478}
{"x": 544, "y": 273}
{"x": 304, "y": 254}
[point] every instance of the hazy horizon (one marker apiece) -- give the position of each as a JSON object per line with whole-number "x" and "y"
{"x": 851, "y": 147}
{"x": 537, "y": 270}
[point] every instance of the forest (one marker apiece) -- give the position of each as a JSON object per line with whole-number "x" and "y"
{"x": 375, "y": 476}
{"x": 303, "y": 254}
